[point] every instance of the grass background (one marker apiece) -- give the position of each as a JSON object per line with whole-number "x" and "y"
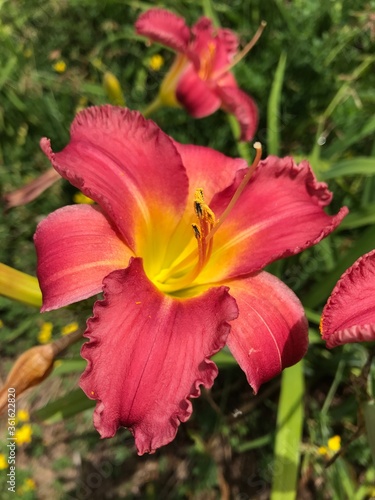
{"x": 312, "y": 75}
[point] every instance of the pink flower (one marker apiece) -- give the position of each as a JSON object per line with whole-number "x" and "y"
{"x": 200, "y": 79}
{"x": 174, "y": 270}
{"x": 349, "y": 315}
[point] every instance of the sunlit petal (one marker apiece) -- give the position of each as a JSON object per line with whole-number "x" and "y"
{"x": 349, "y": 315}
{"x": 148, "y": 354}
{"x": 76, "y": 247}
{"x": 280, "y": 213}
{"x": 270, "y": 332}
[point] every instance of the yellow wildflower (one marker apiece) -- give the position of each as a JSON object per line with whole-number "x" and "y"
{"x": 23, "y": 434}
{"x": 29, "y": 484}
{"x": 59, "y": 66}
{"x": 23, "y": 416}
{"x": 81, "y": 199}
{"x": 69, "y": 328}
{"x": 45, "y": 333}
{"x": 334, "y": 443}
{"x": 156, "y": 62}
{"x": 3, "y": 462}
{"x": 1, "y": 323}
{"x": 322, "y": 450}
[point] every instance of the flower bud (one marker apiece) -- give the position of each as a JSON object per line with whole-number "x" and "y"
{"x": 113, "y": 89}
{"x": 33, "y": 366}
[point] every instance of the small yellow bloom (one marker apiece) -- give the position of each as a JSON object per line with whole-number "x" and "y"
{"x": 3, "y": 462}
{"x": 81, "y": 199}
{"x": 29, "y": 484}
{"x": 322, "y": 450}
{"x": 1, "y": 323}
{"x": 82, "y": 103}
{"x": 156, "y": 62}
{"x": 334, "y": 443}
{"x": 23, "y": 434}
{"x": 69, "y": 328}
{"x": 59, "y": 66}
{"x": 23, "y": 416}
{"x": 45, "y": 333}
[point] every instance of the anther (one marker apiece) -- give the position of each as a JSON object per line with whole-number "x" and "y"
{"x": 197, "y": 233}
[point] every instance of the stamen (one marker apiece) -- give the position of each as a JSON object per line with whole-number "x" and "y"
{"x": 237, "y": 58}
{"x": 204, "y": 232}
{"x": 241, "y": 187}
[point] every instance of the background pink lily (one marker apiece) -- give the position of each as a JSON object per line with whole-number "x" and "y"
{"x": 349, "y": 315}
{"x": 199, "y": 78}
{"x": 174, "y": 269}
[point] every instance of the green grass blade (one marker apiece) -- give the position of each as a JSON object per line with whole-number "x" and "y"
{"x": 369, "y": 414}
{"x": 355, "y": 166}
{"x": 74, "y": 402}
{"x": 273, "y": 108}
{"x": 288, "y": 436}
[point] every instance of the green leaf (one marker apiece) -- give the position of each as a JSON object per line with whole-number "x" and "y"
{"x": 352, "y": 136}
{"x": 224, "y": 359}
{"x": 364, "y": 216}
{"x": 288, "y": 435}
{"x": 369, "y": 414}
{"x": 69, "y": 366}
{"x": 273, "y": 109}
{"x": 67, "y": 406}
{"x": 361, "y": 165}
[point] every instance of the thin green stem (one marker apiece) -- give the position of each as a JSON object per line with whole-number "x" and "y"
{"x": 152, "y": 107}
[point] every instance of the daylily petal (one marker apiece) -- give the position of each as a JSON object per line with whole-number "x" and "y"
{"x": 279, "y": 213}
{"x": 271, "y": 331}
{"x": 243, "y": 107}
{"x": 208, "y": 169}
{"x": 214, "y": 47}
{"x": 159, "y": 349}
{"x": 76, "y": 247}
{"x": 349, "y": 315}
{"x": 131, "y": 169}
{"x": 196, "y": 95}
{"x": 164, "y": 27}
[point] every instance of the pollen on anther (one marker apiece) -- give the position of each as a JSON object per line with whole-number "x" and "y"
{"x": 197, "y": 233}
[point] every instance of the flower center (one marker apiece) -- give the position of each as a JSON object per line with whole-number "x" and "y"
{"x": 183, "y": 273}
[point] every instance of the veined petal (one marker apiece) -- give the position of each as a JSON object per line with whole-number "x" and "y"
{"x": 243, "y": 107}
{"x": 131, "y": 169}
{"x": 196, "y": 95}
{"x": 148, "y": 354}
{"x": 208, "y": 169}
{"x": 215, "y": 46}
{"x": 349, "y": 315}
{"x": 164, "y": 27}
{"x": 76, "y": 247}
{"x": 271, "y": 331}
{"x": 279, "y": 213}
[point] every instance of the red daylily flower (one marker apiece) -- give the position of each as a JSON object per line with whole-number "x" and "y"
{"x": 349, "y": 315}
{"x": 199, "y": 78}
{"x": 174, "y": 270}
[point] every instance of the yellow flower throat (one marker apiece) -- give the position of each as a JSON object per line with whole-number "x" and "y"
{"x": 182, "y": 275}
